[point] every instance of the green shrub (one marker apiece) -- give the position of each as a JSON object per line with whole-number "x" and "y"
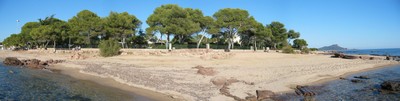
{"x": 109, "y": 48}
{"x": 314, "y": 49}
{"x": 287, "y": 49}
{"x": 305, "y": 50}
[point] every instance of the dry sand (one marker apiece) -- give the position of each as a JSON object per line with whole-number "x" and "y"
{"x": 172, "y": 73}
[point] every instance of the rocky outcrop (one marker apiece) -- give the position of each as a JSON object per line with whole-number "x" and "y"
{"x": 350, "y": 57}
{"x": 356, "y": 80}
{"x": 392, "y": 85}
{"x": 30, "y": 63}
{"x": 361, "y": 77}
{"x": 264, "y": 94}
{"x": 12, "y": 61}
{"x": 205, "y": 71}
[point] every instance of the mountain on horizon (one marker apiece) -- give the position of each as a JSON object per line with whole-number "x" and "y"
{"x": 332, "y": 47}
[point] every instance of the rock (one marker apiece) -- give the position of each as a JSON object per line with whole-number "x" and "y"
{"x": 355, "y": 80}
{"x": 371, "y": 58}
{"x": 12, "y": 61}
{"x": 218, "y": 81}
{"x": 350, "y": 57}
{"x": 10, "y": 71}
{"x": 264, "y": 94}
{"x": 338, "y": 55}
{"x": 205, "y": 71}
{"x": 36, "y": 64}
{"x": 342, "y": 78}
{"x": 174, "y": 97}
{"x": 43, "y": 63}
{"x": 364, "y": 57}
{"x": 251, "y": 98}
{"x": 50, "y": 61}
{"x": 232, "y": 80}
{"x": 198, "y": 67}
{"x": 391, "y": 85}
{"x": 361, "y": 77}
{"x": 389, "y": 58}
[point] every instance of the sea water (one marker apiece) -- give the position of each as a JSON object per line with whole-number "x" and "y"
{"x": 380, "y": 52}
{"x": 24, "y": 84}
{"x": 345, "y": 90}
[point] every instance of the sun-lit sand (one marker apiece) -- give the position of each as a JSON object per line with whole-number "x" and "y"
{"x": 172, "y": 73}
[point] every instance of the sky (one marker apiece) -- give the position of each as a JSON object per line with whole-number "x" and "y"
{"x": 354, "y": 24}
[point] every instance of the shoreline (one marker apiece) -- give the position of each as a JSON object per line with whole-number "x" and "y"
{"x": 163, "y": 77}
{"x": 110, "y": 82}
{"x": 351, "y": 73}
{"x": 329, "y": 79}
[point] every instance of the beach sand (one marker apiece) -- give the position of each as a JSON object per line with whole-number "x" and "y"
{"x": 170, "y": 75}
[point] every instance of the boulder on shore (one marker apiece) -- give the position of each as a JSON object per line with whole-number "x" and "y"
{"x": 264, "y": 94}
{"x": 12, "y": 61}
{"x": 30, "y": 63}
{"x": 350, "y": 57}
{"x": 391, "y": 85}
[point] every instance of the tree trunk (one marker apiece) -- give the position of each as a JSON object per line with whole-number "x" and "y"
{"x": 228, "y": 49}
{"x": 198, "y": 43}
{"x": 45, "y": 46}
{"x": 54, "y": 46}
{"x": 88, "y": 38}
{"x": 180, "y": 39}
{"x": 233, "y": 44}
{"x": 275, "y": 46}
{"x": 167, "y": 38}
{"x": 69, "y": 43}
{"x": 255, "y": 45}
{"x": 167, "y": 42}
{"x": 123, "y": 43}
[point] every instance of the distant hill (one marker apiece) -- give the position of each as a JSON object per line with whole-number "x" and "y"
{"x": 332, "y": 47}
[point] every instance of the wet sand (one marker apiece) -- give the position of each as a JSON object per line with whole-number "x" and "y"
{"x": 137, "y": 93}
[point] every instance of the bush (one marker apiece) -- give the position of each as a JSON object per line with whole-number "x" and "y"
{"x": 314, "y": 49}
{"x": 305, "y": 51}
{"x": 288, "y": 49}
{"x": 109, "y": 48}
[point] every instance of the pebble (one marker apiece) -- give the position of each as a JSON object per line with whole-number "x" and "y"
{"x": 11, "y": 72}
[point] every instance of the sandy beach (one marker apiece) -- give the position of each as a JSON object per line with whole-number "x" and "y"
{"x": 165, "y": 75}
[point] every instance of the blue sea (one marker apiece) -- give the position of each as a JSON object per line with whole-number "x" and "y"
{"x": 24, "y": 84}
{"x": 379, "y": 52}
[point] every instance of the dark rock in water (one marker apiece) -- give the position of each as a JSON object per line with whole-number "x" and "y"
{"x": 342, "y": 78}
{"x": 392, "y": 85}
{"x": 361, "y": 77}
{"x": 264, "y": 94}
{"x": 303, "y": 90}
{"x": 12, "y": 61}
{"x": 34, "y": 63}
{"x": 355, "y": 80}
{"x": 30, "y": 63}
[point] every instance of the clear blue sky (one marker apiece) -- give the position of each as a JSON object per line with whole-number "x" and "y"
{"x": 358, "y": 24}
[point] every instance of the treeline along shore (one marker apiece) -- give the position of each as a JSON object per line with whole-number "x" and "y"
{"x": 232, "y": 27}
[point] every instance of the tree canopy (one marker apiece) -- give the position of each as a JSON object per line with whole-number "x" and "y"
{"x": 85, "y": 23}
{"x": 227, "y": 26}
{"x": 121, "y": 25}
{"x": 300, "y": 43}
{"x": 231, "y": 21}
